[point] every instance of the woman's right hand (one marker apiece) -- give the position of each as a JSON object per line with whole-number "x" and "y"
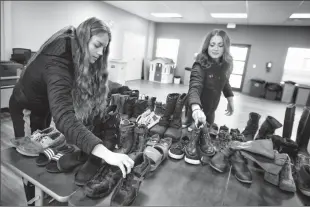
{"x": 199, "y": 117}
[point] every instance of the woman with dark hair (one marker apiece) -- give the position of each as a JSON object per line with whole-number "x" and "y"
{"x": 209, "y": 77}
{"x": 67, "y": 79}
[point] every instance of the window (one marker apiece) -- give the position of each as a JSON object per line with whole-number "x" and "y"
{"x": 297, "y": 66}
{"x": 168, "y": 48}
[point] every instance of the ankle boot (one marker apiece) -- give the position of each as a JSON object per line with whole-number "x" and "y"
{"x": 206, "y": 147}
{"x": 151, "y": 103}
{"x": 268, "y": 127}
{"x": 220, "y": 161}
{"x": 240, "y": 168}
{"x": 127, "y": 138}
{"x": 140, "y": 134}
{"x": 129, "y": 106}
{"x": 175, "y": 127}
{"x": 303, "y": 134}
{"x": 252, "y": 126}
{"x": 288, "y": 121}
{"x": 163, "y": 124}
{"x": 109, "y": 129}
{"x": 191, "y": 152}
{"x": 88, "y": 170}
{"x": 122, "y": 100}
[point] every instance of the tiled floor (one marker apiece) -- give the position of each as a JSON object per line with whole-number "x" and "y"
{"x": 177, "y": 180}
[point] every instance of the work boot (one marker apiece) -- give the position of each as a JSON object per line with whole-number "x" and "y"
{"x": 140, "y": 134}
{"x": 175, "y": 127}
{"x": 286, "y": 178}
{"x": 108, "y": 129}
{"x": 163, "y": 123}
{"x": 252, "y": 126}
{"x": 129, "y": 106}
{"x": 191, "y": 152}
{"x": 288, "y": 121}
{"x": 220, "y": 161}
{"x": 127, "y": 138}
{"x": 303, "y": 130}
{"x": 240, "y": 168}
{"x": 268, "y": 127}
{"x": 236, "y": 135}
{"x": 122, "y": 100}
{"x": 138, "y": 109}
{"x": 151, "y": 103}
{"x": 205, "y": 147}
{"x": 223, "y": 138}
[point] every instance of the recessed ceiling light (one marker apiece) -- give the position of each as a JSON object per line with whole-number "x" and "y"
{"x": 300, "y": 16}
{"x": 167, "y": 15}
{"x": 229, "y": 15}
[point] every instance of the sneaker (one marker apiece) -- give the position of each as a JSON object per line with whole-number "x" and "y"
{"x": 177, "y": 150}
{"x": 36, "y": 136}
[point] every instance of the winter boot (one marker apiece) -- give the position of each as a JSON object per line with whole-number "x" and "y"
{"x": 268, "y": 127}
{"x": 122, "y": 100}
{"x": 127, "y": 138}
{"x": 191, "y": 152}
{"x": 303, "y": 130}
{"x": 252, "y": 126}
{"x": 159, "y": 108}
{"x": 129, "y": 106}
{"x": 151, "y": 103}
{"x": 175, "y": 127}
{"x": 138, "y": 109}
{"x": 163, "y": 124}
{"x": 289, "y": 121}
{"x": 205, "y": 147}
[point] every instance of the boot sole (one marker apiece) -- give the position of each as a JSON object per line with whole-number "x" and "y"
{"x": 243, "y": 181}
{"x": 288, "y": 189}
{"x": 215, "y": 168}
{"x": 305, "y": 192}
{"x": 174, "y": 156}
{"x": 191, "y": 161}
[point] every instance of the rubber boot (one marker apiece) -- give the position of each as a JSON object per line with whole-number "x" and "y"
{"x": 302, "y": 137}
{"x": 163, "y": 124}
{"x": 268, "y": 127}
{"x": 252, "y": 126}
{"x": 288, "y": 121}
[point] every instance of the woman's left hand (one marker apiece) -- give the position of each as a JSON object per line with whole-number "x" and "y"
{"x": 230, "y": 106}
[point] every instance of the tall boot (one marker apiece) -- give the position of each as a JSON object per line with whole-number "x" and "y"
{"x": 127, "y": 138}
{"x": 252, "y": 126}
{"x": 175, "y": 127}
{"x": 151, "y": 103}
{"x": 288, "y": 121}
{"x": 268, "y": 127}
{"x": 159, "y": 108}
{"x": 163, "y": 124}
{"x": 140, "y": 134}
{"x": 122, "y": 100}
{"x": 129, "y": 106}
{"x": 303, "y": 130}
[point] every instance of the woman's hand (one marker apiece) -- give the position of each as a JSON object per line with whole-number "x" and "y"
{"x": 112, "y": 158}
{"x": 199, "y": 117}
{"x": 230, "y": 106}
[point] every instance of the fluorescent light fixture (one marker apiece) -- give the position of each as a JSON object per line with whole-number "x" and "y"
{"x": 167, "y": 15}
{"x": 230, "y": 15}
{"x": 300, "y": 16}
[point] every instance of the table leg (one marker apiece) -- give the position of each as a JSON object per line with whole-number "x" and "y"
{"x": 40, "y": 195}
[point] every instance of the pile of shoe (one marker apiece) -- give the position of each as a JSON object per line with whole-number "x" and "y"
{"x": 302, "y": 173}
{"x": 170, "y": 124}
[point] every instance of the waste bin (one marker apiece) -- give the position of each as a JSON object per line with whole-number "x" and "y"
{"x": 288, "y": 92}
{"x": 187, "y": 76}
{"x": 177, "y": 79}
{"x": 302, "y": 95}
{"x": 273, "y": 91}
{"x": 257, "y": 87}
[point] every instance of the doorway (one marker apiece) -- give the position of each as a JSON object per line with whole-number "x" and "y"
{"x": 240, "y": 54}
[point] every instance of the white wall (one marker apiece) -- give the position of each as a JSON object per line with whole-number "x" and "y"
{"x": 32, "y": 22}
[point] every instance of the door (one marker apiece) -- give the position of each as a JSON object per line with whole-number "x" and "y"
{"x": 240, "y": 55}
{"x": 158, "y": 72}
{"x": 133, "y": 53}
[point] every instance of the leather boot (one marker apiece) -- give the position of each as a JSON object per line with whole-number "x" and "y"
{"x": 191, "y": 152}
{"x": 252, "y": 126}
{"x": 288, "y": 121}
{"x": 240, "y": 168}
{"x": 122, "y": 100}
{"x": 303, "y": 130}
{"x": 163, "y": 124}
{"x": 129, "y": 106}
{"x": 220, "y": 161}
{"x": 205, "y": 147}
{"x": 175, "y": 127}
{"x": 127, "y": 138}
{"x": 268, "y": 127}
{"x": 140, "y": 134}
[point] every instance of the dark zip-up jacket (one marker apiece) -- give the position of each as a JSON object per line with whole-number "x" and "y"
{"x": 46, "y": 86}
{"x": 206, "y": 85}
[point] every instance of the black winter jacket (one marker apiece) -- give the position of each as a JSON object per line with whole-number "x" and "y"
{"x": 46, "y": 86}
{"x": 206, "y": 85}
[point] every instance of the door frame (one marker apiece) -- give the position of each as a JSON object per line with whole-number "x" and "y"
{"x": 245, "y": 64}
